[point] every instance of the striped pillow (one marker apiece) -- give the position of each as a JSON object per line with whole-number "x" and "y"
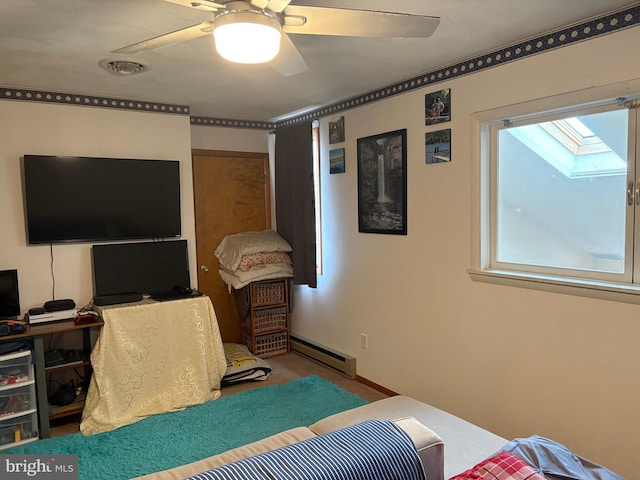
{"x": 371, "y": 450}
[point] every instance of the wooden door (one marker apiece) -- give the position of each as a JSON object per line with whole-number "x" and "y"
{"x": 231, "y": 195}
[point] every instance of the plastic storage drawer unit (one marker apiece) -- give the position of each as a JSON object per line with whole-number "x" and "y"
{"x": 18, "y": 411}
{"x": 16, "y": 430}
{"x": 15, "y": 368}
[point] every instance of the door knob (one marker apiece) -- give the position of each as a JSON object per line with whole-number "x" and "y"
{"x": 204, "y": 268}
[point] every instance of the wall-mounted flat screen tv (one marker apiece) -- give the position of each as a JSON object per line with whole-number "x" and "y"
{"x": 81, "y": 199}
{"x": 9, "y": 296}
{"x": 147, "y": 268}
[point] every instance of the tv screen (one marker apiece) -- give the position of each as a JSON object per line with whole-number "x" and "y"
{"x": 9, "y": 297}
{"x": 147, "y": 268}
{"x": 80, "y": 199}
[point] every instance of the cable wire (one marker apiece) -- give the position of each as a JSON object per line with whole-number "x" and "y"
{"x": 53, "y": 275}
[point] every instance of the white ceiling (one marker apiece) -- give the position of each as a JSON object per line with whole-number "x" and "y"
{"x": 55, "y": 45}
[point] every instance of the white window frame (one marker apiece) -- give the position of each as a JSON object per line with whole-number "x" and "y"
{"x": 482, "y": 191}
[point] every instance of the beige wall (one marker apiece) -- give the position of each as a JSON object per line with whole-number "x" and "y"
{"x": 230, "y": 139}
{"x": 516, "y": 361}
{"x": 35, "y": 128}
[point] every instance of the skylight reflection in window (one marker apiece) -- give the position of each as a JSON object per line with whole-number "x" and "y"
{"x": 579, "y": 147}
{"x": 579, "y": 127}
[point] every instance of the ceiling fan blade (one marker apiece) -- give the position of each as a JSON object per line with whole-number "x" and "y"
{"x": 204, "y": 5}
{"x": 288, "y": 62}
{"x": 273, "y": 5}
{"x": 172, "y": 38}
{"x": 278, "y": 5}
{"x": 357, "y": 23}
{"x": 262, "y": 4}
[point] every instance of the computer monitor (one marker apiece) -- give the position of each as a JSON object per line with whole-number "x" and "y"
{"x": 9, "y": 295}
{"x": 146, "y": 268}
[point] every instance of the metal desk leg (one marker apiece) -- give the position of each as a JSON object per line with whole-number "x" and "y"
{"x": 41, "y": 387}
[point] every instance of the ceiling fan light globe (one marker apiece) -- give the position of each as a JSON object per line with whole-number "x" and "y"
{"x": 247, "y": 37}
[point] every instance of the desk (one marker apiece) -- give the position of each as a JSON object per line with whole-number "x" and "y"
{"x": 36, "y": 333}
{"x": 153, "y": 357}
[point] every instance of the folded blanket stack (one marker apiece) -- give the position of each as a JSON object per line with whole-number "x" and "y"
{"x": 251, "y": 256}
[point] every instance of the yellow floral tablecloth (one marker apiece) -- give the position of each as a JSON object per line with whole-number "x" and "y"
{"x": 150, "y": 358}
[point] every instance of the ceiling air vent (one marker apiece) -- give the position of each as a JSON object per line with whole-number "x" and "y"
{"x": 122, "y": 67}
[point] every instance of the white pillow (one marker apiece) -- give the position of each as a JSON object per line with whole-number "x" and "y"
{"x": 233, "y": 247}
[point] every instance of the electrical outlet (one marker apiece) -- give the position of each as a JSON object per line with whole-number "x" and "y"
{"x": 364, "y": 342}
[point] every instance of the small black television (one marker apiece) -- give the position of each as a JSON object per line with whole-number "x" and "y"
{"x": 9, "y": 295}
{"x": 147, "y": 268}
{"x": 83, "y": 199}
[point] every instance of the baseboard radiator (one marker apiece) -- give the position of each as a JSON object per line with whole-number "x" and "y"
{"x": 341, "y": 363}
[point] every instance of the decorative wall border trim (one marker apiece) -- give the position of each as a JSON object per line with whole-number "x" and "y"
{"x": 585, "y": 30}
{"x": 221, "y": 122}
{"x": 578, "y": 32}
{"x": 90, "y": 101}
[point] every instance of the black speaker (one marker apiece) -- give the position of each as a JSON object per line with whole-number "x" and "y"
{"x": 58, "y": 305}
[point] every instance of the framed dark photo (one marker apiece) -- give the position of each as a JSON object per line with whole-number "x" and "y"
{"x": 336, "y": 131}
{"x": 437, "y": 107}
{"x": 382, "y": 183}
{"x": 336, "y": 160}
{"x": 437, "y": 146}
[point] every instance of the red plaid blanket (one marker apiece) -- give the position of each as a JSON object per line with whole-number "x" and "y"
{"x": 502, "y": 466}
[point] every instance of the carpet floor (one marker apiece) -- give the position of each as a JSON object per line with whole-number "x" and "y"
{"x": 167, "y": 440}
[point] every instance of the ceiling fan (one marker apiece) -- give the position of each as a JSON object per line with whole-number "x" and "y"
{"x": 273, "y": 20}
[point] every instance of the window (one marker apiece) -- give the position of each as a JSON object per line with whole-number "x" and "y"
{"x": 559, "y": 199}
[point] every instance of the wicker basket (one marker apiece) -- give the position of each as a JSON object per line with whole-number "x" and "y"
{"x": 267, "y": 319}
{"x": 268, "y": 345}
{"x": 268, "y": 293}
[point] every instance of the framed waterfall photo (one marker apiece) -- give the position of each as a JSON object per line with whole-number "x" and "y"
{"x": 382, "y": 183}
